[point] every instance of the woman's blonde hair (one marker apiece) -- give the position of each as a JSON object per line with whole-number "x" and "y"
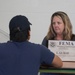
{"x": 67, "y": 24}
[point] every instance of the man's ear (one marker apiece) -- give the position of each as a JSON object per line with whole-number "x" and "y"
{"x": 28, "y": 34}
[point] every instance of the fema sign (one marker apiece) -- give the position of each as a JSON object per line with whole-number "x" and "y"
{"x": 64, "y": 49}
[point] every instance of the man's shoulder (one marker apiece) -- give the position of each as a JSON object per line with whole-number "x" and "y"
{"x": 38, "y": 46}
{"x": 2, "y": 44}
{"x": 35, "y": 44}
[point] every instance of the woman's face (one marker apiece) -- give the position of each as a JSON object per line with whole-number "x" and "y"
{"x": 58, "y": 25}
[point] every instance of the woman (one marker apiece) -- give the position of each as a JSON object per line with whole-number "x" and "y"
{"x": 60, "y": 29}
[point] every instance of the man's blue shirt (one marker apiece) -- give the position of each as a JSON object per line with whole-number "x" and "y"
{"x": 23, "y": 58}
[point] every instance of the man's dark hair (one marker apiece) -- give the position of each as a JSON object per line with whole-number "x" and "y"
{"x": 19, "y": 27}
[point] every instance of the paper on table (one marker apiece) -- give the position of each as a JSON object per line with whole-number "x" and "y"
{"x": 64, "y": 49}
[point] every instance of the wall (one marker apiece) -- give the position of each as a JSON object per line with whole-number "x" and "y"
{"x": 38, "y": 12}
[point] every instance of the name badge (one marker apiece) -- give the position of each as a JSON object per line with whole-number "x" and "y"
{"x": 64, "y": 49}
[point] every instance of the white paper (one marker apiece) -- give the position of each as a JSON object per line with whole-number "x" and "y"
{"x": 64, "y": 49}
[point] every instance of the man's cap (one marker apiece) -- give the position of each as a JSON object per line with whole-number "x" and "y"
{"x": 19, "y": 21}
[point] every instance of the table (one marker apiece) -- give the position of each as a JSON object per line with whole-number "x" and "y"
{"x": 68, "y": 68}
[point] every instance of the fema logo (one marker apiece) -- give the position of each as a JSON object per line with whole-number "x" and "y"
{"x": 52, "y": 44}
